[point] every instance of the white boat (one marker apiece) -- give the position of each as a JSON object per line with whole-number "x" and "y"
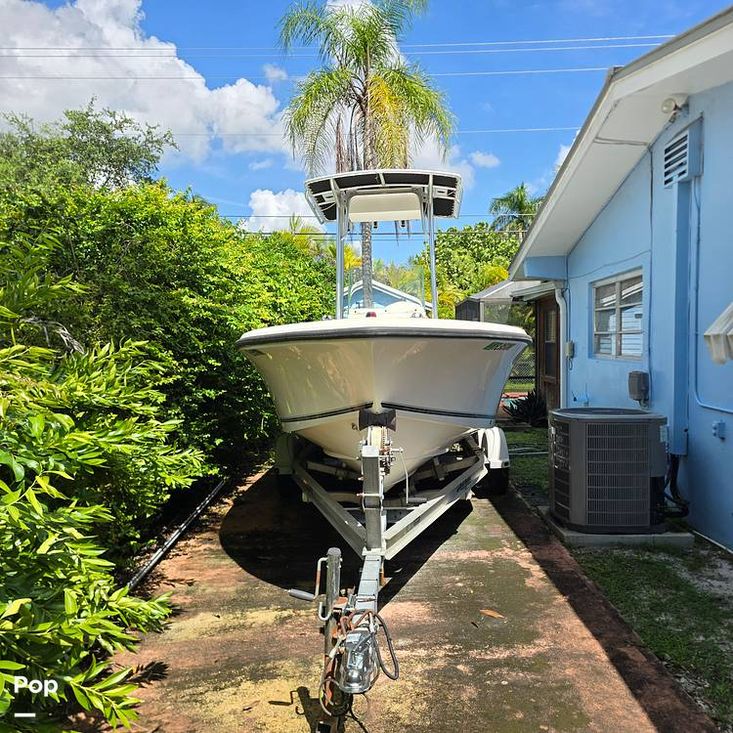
{"x": 442, "y": 378}
{"x": 384, "y": 393}
{"x": 329, "y": 379}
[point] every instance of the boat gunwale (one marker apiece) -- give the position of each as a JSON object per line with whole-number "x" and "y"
{"x": 357, "y": 333}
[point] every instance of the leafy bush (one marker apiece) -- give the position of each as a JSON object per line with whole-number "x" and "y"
{"x": 159, "y": 266}
{"x": 165, "y": 268}
{"x": 106, "y": 392}
{"x": 531, "y": 409}
{"x": 76, "y": 428}
{"x": 117, "y": 346}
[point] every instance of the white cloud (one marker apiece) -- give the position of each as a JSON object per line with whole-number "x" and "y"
{"x": 259, "y": 165}
{"x": 188, "y": 106}
{"x": 561, "y": 155}
{"x": 274, "y": 73}
{"x": 346, "y": 3}
{"x": 272, "y": 210}
{"x": 430, "y": 157}
{"x": 484, "y": 160}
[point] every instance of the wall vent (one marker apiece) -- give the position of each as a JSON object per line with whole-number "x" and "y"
{"x": 683, "y": 155}
{"x": 677, "y": 159}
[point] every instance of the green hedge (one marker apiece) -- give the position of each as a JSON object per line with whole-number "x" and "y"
{"x": 82, "y": 445}
{"x": 163, "y": 267}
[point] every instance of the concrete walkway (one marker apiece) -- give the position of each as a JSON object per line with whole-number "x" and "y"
{"x": 242, "y": 656}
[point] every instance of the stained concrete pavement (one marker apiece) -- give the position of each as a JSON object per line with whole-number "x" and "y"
{"x": 241, "y": 655}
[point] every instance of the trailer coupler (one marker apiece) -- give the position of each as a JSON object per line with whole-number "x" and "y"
{"x": 352, "y": 659}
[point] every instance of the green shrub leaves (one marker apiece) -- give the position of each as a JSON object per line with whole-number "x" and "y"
{"x": 120, "y": 382}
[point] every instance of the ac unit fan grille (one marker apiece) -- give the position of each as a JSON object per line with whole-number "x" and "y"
{"x": 561, "y": 470}
{"x": 617, "y": 465}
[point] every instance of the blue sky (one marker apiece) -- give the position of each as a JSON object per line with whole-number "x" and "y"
{"x": 227, "y": 41}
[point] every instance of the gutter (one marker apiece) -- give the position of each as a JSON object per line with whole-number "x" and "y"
{"x": 562, "y": 339}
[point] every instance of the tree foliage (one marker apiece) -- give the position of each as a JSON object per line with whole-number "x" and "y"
{"x": 81, "y": 445}
{"x": 120, "y": 305}
{"x": 514, "y": 211}
{"x": 163, "y": 267}
{"x": 101, "y": 148}
{"x": 365, "y": 103}
{"x": 468, "y": 260}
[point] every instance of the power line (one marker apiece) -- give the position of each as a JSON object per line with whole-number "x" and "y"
{"x": 200, "y": 77}
{"x": 543, "y": 49}
{"x": 311, "y": 216}
{"x": 455, "y": 132}
{"x": 600, "y": 39}
{"x": 464, "y": 52}
{"x": 544, "y": 40}
{"x": 510, "y": 72}
{"x": 517, "y": 129}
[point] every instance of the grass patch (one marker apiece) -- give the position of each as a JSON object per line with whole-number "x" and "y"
{"x": 529, "y": 472}
{"x": 517, "y": 386}
{"x": 688, "y": 627}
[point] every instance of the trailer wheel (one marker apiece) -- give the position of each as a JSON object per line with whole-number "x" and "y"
{"x": 287, "y": 488}
{"x": 497, "y": 481}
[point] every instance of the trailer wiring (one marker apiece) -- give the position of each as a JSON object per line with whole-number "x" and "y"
{"x": 347, "y": 624}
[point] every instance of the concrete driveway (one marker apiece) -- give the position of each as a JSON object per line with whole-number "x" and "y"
{"x": 487, "y": 628}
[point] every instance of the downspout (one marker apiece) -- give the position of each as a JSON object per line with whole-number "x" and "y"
{"x": 562, "y": 339}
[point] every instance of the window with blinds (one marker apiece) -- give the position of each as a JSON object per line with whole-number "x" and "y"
{"x": 618, "y": 317}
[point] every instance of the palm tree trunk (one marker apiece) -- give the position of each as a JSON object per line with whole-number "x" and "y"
{"x": 366, "y": 264}
{"x": 366, "y": 227}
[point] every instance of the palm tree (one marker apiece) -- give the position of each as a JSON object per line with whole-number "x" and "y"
{"x": 306, "y": 237}
{"x": 514, "y": 211}
{"x": 361, "y": 107}
{"x": 352, "y": 261}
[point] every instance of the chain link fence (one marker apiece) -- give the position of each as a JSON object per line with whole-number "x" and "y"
{"x": 522, "y": 376}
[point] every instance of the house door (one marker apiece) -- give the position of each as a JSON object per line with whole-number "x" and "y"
{"x": 547, "y": 349}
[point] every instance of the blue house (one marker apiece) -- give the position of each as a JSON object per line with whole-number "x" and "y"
{"x": 635, "y": 238}
{"x": 383, "y": 295}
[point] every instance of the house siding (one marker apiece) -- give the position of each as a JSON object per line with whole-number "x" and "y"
{"x": 688, "y": 281}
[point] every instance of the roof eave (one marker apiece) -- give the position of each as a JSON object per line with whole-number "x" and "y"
{"x": 560, "y": 176}
{"x": 596, "y": 117}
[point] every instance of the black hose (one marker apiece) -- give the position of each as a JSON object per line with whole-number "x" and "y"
{"x": 395, "y": 664}
{"x": 674, "y": 468}
{"x": 175, "y": 536}
{"x": 682, "y": 506}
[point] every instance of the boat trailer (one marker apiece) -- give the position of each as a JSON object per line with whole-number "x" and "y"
{"x": 376, "y": 526}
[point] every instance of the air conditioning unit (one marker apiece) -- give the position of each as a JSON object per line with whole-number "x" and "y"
{"x": 607, "y": 469}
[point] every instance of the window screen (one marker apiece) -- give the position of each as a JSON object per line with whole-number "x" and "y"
{"x": 618, "y": 317}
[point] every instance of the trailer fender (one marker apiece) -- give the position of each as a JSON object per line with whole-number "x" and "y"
{"x": 495, "y": 448}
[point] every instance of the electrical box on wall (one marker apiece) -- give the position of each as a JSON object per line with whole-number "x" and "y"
{"x": 639, "y": 386}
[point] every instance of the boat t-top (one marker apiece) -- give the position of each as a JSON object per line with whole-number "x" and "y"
{"x": 388, "y": 414}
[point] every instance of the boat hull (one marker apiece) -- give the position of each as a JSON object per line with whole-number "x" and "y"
{"x": 443, "y": 379}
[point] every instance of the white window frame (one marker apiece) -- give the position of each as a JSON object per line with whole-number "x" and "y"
{"x": 617, "y": 334}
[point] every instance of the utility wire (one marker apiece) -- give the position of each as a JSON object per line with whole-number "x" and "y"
{"x": 311, "y": 216}
{"x": 455, "y": 132}
{"x": 600, "y": 39}
{"x": 167, "y": 55}
{"x": 200, "y": 77}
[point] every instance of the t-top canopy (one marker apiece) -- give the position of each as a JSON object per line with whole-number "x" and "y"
{"x": 384, "y": 195}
